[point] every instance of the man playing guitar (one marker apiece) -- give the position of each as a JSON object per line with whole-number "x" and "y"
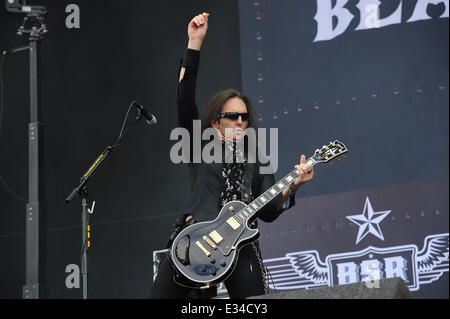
{"x": 215, "y": 184}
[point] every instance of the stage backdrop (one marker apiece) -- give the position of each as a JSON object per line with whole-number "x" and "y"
{"x": 373, "y": 75}
{"x": 383, "y": 92}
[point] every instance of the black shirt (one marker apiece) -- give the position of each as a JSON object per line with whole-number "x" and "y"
{"x": 206, "y": 179}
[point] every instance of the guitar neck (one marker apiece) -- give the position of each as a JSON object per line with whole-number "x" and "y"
{"x": 252, "y": 208}
{"x": 323, "y": 155}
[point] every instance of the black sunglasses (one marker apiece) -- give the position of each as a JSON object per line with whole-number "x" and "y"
{"x": 233, "y": 116}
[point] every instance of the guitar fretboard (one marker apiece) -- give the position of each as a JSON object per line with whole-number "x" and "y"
{"x": 245, "y": 214}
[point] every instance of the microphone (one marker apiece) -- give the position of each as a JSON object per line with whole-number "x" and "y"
{"x": 149, "y": 118}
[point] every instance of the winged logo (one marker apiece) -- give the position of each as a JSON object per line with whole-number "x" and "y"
{"x": 305, "y": 269}
{"x": 307, "y": 264}
{"x": 432, "y": 260}
{"x": 297, "y": 270}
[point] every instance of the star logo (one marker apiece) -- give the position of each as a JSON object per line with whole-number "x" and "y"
{"x": 368, "y": 222}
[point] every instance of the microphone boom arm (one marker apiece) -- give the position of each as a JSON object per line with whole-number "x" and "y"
{"x": 99, "y": 161}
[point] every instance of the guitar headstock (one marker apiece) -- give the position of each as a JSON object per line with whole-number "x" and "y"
{"x": 329, "y": 152}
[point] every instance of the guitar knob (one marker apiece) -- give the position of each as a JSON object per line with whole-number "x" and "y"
{"x": 213, "y": 261}
{"x": 223, "y": 263}
{"x": 231, "y": 208}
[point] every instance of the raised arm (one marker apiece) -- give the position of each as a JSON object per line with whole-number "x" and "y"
{"x": 187, "y": 108}
{"x": 197, "y": 29}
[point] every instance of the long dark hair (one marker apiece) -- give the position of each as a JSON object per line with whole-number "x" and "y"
{"x": 217, "y": 102}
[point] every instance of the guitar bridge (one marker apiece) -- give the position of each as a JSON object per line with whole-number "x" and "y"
{"x": 209, "y": 241}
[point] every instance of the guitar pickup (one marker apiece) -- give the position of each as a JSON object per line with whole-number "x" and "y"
{"x": 215, "y": 236}
{"x": 209, "y": 241}
{"x": 205, "y": 251}
{"x": 233, "y": 223}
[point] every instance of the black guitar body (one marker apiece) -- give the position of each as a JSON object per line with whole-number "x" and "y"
{"x": 206, "y": 253}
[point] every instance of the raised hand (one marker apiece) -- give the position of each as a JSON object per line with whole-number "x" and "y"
{"x": 197, "y": 29}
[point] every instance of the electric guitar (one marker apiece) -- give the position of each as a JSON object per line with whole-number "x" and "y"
{"x": 206, "y": 253}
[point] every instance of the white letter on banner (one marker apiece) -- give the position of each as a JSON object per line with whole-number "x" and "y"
{"x": 324, "y": 18}
{"x": 371, "y": 273}
{"x": 420, "y": 11}
{"x": 347, "y": 273}
{"x": 396, "y": 267}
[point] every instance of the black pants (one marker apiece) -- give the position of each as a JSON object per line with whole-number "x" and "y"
{"x": 246, "y": 280}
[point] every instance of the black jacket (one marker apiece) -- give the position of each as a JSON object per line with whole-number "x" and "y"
{"x": 206, "y": 179}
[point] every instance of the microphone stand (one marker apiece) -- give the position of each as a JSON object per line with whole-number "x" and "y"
{"x": 82, "y": 191}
